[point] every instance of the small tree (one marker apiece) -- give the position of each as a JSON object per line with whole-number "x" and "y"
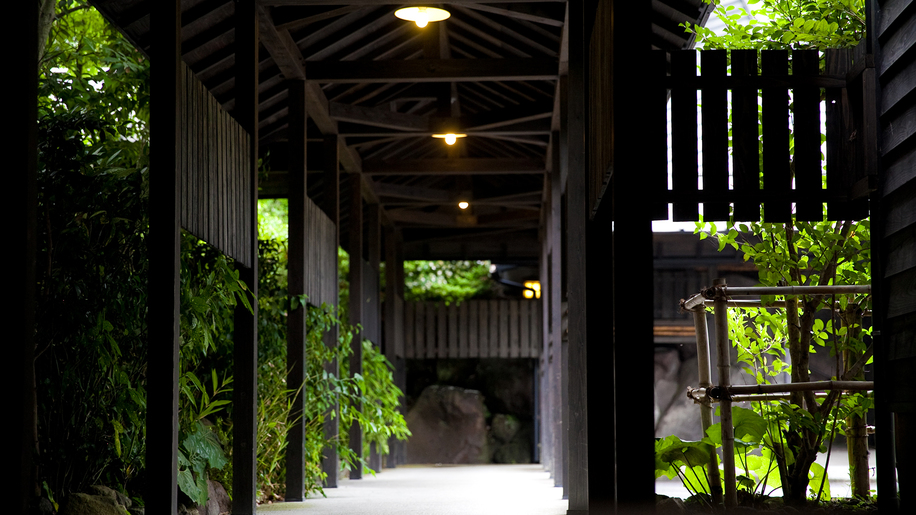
{"x": 802, "y": 253}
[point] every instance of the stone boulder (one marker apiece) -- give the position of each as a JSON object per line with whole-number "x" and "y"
{"x": 448, "y": 426}
{"x": 86, "y": 504}
{"x": 218, "y": 502}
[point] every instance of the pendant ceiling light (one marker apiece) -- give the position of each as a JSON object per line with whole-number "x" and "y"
{"x": 422, "y": 15}
{"x": 450, "y": 138}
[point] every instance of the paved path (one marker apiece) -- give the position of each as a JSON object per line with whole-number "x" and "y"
{"x": 443, "y": 490}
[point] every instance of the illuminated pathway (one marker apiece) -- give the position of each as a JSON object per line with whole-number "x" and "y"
{"x": 445, "y": 490}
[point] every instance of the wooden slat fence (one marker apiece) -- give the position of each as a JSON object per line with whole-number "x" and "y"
{"x": 321, "y": 256}
{"x": 472, "y": 329}
{"x": 754, "y": 150}
{"x": 215, "y": 190}
{"x": 372, "y": 329}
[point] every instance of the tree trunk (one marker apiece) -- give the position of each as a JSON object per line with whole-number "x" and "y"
{"x": 46, "y": 15}
{"x": 856, "y": 433}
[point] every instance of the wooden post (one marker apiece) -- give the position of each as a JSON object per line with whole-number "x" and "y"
{"x": 21, "y": 148}
{"x": 296, "y": 330}
{"x": 394, "y": 322}
{"x": 330, "y": 200}
{"x": 245, "y": 387}
{"x": 373, "y": 221}
{"x": 632, "y": 257}
{"x": 164, "y": 250}
{"x": 357, "y": 296}
{"x": 556, "y": 315}
{"x": 723, "y": 362}
{"x": 577, "y": 192}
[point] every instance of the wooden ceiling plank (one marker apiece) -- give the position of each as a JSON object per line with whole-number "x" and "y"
{"x": 489, "y": 38}
{"x": 433, "y": 70}
{"x": 333, "y": 29}
{"x": 379, "y": 42}
{"x": 385, "y": 189}
{"x": 498, "y": 27}
{"x": 470, "y": 166}
{"x": 327, "y": 15}
{"x": 517, "y": 12}
{"x": 353, "y": 36}
{"x": 377, "y": 117}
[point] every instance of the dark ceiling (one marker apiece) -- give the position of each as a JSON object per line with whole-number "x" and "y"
{"x": 384, "y": 86}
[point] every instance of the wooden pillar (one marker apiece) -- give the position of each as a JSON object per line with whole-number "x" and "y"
{"x": 632, "y": 257}
{"x": 357, "y": 296}
{"x": 374, "y": 233}
{"x": 577, "y": 192}
{"x": 21, "y": 149}
{"x": 245, "y": 383}
{"x": 164, "y": 249}
{"x": 393, "y": 322}
{"x": 543, "y": 417}
{"x": 330, "y": 202}
{"x": 296, "y": 329}
{"x": 556, "y": 314}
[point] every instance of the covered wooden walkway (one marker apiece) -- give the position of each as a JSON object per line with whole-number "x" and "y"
{"x": 439, "y": 490}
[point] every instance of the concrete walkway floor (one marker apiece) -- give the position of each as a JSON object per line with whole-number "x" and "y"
{"x": 438, "y": 490}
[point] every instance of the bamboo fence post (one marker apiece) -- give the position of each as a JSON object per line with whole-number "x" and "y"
{"x": 725, "y": 404}
{"x": 702, "y": 332}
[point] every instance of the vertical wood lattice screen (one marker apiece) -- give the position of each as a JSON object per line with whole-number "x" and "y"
{"x": 215, "y": 191}
{"x": 472, "y": 329}
{"x": 320, "y": 256}
{"x": 768, "y": 154}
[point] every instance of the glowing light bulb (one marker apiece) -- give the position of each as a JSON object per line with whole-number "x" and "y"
{"x": 450, "y": 138}
{"x": 422, "y": 19}
{"x": 463, "y": 205}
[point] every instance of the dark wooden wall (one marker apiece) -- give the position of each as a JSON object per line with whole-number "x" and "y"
{"x": 321, "y": 256}
{"x": 472, "y": 329}
{"x": 214, "y": 191}
{"x": 893, "y": 35}
{"x": 372, "y": 327}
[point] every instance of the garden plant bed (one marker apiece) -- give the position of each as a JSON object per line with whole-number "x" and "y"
{"x": 750, "y": 505}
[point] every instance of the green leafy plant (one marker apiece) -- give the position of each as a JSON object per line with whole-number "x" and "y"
{"x": 778, "y": 24}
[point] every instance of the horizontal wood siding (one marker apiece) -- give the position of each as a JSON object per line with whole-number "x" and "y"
{"x": 214, "y": 190}
{"x": 760, "y": 146}
{"x": 472, "y": 329}
{"x": 895, "y": 65}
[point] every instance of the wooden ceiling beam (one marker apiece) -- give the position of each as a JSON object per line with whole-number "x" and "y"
{"x": 426, "y": 125}
{"x": 433, "y": 70}
{"x": 467, "y": 166}
{"x": 408, "y": 217}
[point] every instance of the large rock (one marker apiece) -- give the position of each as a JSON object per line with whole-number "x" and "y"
{"x": 448, "y": 426}
{"x": 85, "y": 504}
{"x": 218, "y": 502}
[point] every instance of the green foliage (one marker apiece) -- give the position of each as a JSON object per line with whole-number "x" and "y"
{"x": 326, "y": 394}
{"x": 448, "y": 281}
{"x": 92, "y": 183}
{"x": 778, "y": 24}
{"x": 210, "y": 289}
